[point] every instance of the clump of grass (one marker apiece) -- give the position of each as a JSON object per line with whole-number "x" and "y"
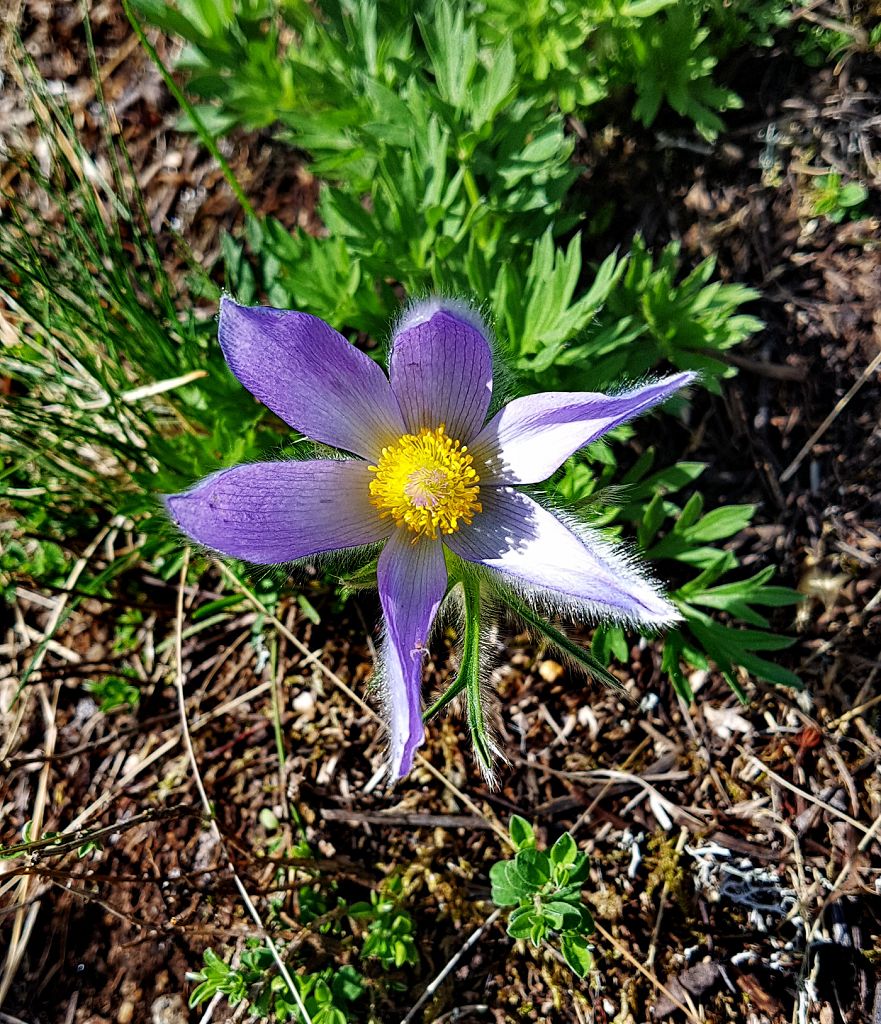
{"x": 107, "y": 359}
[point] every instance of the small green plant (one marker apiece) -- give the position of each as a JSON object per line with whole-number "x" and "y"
{"x": 29, "y": 560}
{"x": 544, "y": 890}
{"x": 671, "y": 60}
{"x": 836, "y": 200}
{"x": 125, "y": 633}
{"x": 114, "y": 692}
{"x": 327, "y": 994}
{"x": 389, "y": 936}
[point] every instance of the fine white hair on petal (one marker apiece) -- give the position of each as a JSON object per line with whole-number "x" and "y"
{"x": 421, "y": 311}
{"x": 559, "y": 565}
{"x": 634, "y": 565}
{"x": 552, "y": 603}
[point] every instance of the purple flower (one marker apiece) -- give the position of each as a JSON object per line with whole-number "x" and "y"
{"x": 420, "y": 471}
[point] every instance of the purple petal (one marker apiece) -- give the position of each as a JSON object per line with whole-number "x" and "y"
{"x": 441, "y": 369}
{"x": 272, "y": 512}
{"x": 412, "y": 580}
{"x": 531, "y": 437}
{"x": 524, "y": 541}
{"x": 311, "y": 377}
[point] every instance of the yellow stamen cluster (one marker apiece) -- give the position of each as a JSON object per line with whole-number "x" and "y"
{"x": 427, "y": 483}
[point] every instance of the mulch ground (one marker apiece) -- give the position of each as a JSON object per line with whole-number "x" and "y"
{"x": 734, "y": 848}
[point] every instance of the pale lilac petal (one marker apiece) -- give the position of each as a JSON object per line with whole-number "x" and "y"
{"x": 441, "y": 369}
{"x": 531, "y": 437}
{"x": 311, "y": 377}
{"x": 532, "y": 547}
{"x": 273, "y": 512}
{"x": 412, "y": 579}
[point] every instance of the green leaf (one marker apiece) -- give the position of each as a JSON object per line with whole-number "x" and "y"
{"x": 347, "y": 984}
{"x": 561, "y": 916}
{"x": 722, "y": 522}
{"x": 645, "y": 8}
{"x": 470, "y": 671}
{"x": 522, "y": 833}
{"x": 521, "y": 922}
{"x": 576, "y": 953}
{"x": 655, "y": 513}
{"x": 564, "y": 851}
{"x": 507, "y": 888}
{"x": 533, "y": 866}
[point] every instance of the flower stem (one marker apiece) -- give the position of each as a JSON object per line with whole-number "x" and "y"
{"x": 470, "y": 669}
{"x": 470, "y": 651}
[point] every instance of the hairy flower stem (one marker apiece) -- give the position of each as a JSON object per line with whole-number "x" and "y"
{"x": 470, "y": 669}
{"x": 470, "y": 651}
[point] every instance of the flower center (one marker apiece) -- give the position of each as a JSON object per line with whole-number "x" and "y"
{"x": 427, "y": 483}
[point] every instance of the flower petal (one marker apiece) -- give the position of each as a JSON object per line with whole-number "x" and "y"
{"x": 311, "y": 377}
{"x": 273, "y": 512}
{"x": 441, "y": 369}
{"x": 412, "y": 580}
{"x": 531, "y": 437}
{"x": 525, "y": 542}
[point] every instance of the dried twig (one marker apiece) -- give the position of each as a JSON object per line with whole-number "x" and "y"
{"x": 830, "y": 419}
{"x": 658, "y": 984}
{"x": 437, "y": 981}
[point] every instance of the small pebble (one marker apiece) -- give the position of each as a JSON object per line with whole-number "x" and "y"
{"x": 169, "y": 1009}
{"x": 304, "y": 702}
{"x": 550, "y": 671}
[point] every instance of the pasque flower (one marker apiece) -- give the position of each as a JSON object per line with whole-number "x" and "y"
{"x": 421, "y": 471}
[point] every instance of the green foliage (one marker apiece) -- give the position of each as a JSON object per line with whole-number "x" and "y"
{"x": 327, "y": 994}
{"x": 125, "y": 633}
{"x": 389, "y": 936}
{"x": 669, "y": 531}
{"x": 836, "y": 200}
{"x": 231, "y": 49}
{"x": 30, "y": 560}
{"x": 113, "y": 692}
{"x": 736, "y": 23}
{"x": 636, "y": 314}
{"x": 671, "y": 61}
{"x": 656, "y": 314}
{"x": 544, "y": 890}
{"x": 350, "y": 69}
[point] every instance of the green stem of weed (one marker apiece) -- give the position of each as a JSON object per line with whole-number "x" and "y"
{"x": 206, "y": 136}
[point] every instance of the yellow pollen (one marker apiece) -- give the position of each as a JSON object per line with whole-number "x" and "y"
{"x": 426, "y": 482}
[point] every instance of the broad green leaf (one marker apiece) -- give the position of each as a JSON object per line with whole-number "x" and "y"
{"x": 507, "y": 889}
{"x": 561, "y": 916}
{"x": 576, "y": 952}
{"x": 522, "y": 833}
{"x": 521, "y": 922}
{"x": 564, "y": 851}
{"x": 533, "y": 866}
